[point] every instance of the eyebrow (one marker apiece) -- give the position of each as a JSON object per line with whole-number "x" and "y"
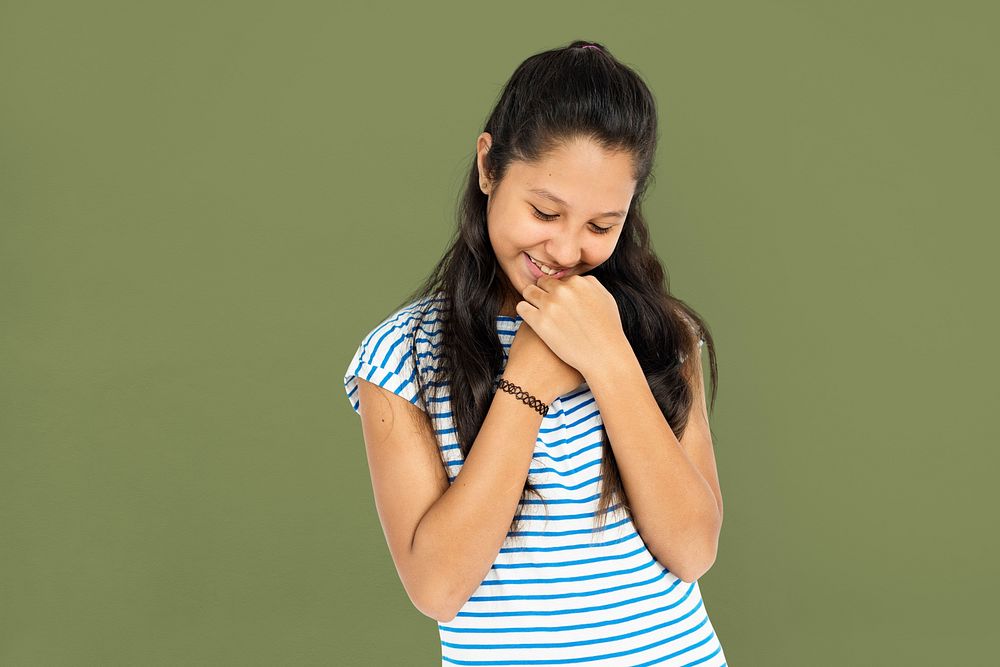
{"x": 548, "y": 195}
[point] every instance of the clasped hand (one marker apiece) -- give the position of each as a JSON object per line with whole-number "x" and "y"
{"x": 577, "y": 318}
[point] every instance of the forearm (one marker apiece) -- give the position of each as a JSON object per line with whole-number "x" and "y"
{"x": 673, "y": 506}
{"x": 462, "y": 533}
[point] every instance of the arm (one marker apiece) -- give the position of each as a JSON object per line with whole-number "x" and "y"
{"x": 672, "y": 485}
{"x": 461, "y": 534}
{"x": 444, "y": 539}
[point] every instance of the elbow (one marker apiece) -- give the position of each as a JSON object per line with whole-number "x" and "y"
{"x": 428, "y": 592}
{"x": 700, "y": 560}
{"x": 434, "y": 603}
{"x": 445, "y": 615}
{"x": 692, "y": 572}
{"x": 691, "y": 566}
{"x": 439, "y": 610}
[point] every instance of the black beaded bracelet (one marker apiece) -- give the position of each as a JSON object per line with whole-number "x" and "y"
{"x": 525, "y": 397}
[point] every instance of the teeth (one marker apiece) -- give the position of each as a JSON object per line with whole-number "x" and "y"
{"x": 545, "y": 269}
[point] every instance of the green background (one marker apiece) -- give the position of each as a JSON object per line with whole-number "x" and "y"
{"x": 205, "y": 206}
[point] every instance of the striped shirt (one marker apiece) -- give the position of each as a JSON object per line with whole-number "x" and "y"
{"x": 558, "y": 593}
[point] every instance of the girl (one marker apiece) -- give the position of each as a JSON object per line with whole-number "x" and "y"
{"x": 534, "y": 415}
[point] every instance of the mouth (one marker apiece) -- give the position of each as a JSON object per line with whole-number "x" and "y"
{"x": 536, "y": 272}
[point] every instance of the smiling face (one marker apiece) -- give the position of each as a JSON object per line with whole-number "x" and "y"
{"x": 567, "y": 211}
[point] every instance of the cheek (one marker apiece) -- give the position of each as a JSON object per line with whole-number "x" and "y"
{"x": 599, "y": 253}
{"x": 512, "y": 235}
{"x": 495, "y": 229}
{"x": 609, "y": 249}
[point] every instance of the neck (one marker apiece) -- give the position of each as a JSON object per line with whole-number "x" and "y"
{"x": 510, "y": 297}
{"x": 507, "y": 309}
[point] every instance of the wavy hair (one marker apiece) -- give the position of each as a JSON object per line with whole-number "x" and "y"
{"x": 552, "y": 98}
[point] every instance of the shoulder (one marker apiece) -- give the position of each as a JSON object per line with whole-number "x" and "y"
{"x": 397, "y": 350}
{"x": 414, "y": 323}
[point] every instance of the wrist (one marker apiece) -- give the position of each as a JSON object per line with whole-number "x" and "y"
{"x": 611, "y": 363}
{"x": 516, "y": 391}
{"x": 531, "y": 383}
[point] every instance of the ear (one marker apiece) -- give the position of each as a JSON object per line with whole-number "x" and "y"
{"x": 483, "y": 143}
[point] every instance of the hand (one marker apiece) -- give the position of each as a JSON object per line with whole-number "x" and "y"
{"x": 577, "y": 318}
{"x": 537, "y": 369}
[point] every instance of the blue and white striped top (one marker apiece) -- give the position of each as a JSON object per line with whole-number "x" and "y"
{"x": 558, "y": 593}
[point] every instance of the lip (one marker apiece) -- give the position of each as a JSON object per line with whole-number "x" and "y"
{"x": 536, "y": 272}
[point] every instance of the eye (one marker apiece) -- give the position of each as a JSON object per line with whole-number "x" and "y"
{"x": 549, "y": 218}
{"x": 543, "y": 216}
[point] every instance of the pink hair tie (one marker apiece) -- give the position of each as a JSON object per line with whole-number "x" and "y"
{"x": 590, "y": 46}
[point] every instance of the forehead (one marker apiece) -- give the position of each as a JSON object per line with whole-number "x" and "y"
{"x": 582, "y": 173}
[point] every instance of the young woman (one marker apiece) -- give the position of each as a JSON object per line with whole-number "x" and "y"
{"x": 534, "y": 415}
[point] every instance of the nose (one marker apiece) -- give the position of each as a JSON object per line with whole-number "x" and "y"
{"x": 564, "y": 249}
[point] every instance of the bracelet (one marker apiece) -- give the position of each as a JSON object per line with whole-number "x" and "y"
{"x": 525, "y": 397}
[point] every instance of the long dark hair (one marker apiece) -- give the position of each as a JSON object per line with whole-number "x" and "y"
{"x": 553, "y": 97}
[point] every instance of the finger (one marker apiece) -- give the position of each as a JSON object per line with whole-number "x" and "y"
{"x": 533, "y": 293}
{"x": 526, "y": 310}
{"x": 546, "y": 282}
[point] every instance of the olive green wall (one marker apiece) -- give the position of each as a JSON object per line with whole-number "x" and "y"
{"x": 205, "y": 206}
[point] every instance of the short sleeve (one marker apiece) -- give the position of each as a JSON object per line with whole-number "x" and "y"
{"x": 385, "y": 358}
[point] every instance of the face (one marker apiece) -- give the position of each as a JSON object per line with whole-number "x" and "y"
{"x": 566, "y": 212}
